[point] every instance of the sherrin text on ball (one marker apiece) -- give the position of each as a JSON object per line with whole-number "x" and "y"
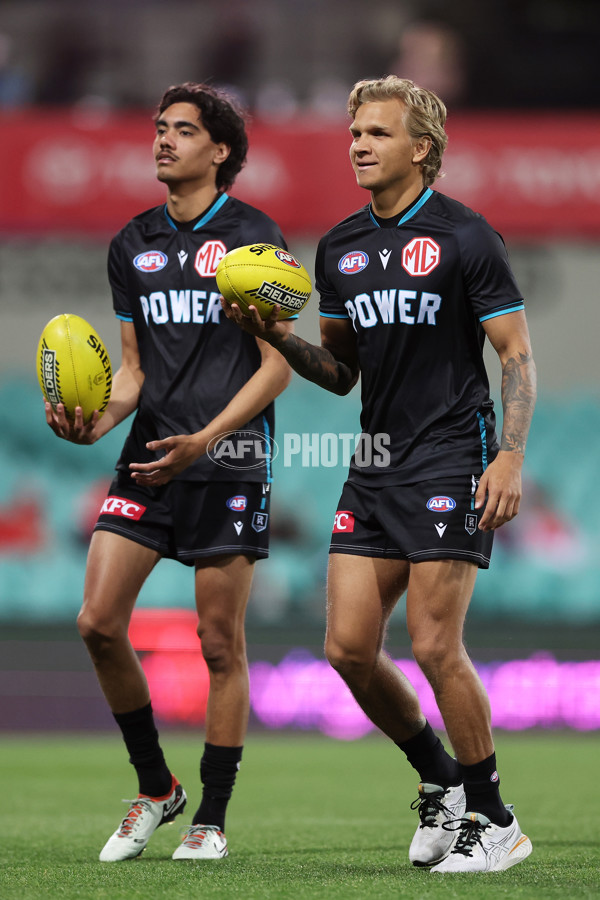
{"x": 264, "y": 276}
{"x": 73, "y": 366}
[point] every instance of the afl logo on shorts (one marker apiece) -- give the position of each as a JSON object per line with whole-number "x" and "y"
{"x": 237, "y": 503}
{"x": 151, "y": 261}
{"x": 441, "y": 504}
{"x": 353, "y": 263}
{"x": 288, "y": 259}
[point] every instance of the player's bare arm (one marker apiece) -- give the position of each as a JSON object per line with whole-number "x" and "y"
{"x": 126, "y": 386}
{"x": 333, "y": 365}
{"x": 501, "y": 481}
{"x": 270, "y": 379}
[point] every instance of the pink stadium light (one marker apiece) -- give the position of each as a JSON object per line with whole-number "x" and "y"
{"x": 303, "y": 692}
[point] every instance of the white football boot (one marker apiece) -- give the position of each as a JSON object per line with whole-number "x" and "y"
{"x": 144, "y": 816}
{"x": 202, "y": 842}
{"x": 432, "y": 843}
{"x": 482, "y": 846}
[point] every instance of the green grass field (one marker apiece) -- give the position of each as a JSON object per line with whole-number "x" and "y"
{"x": 310, "y": 818}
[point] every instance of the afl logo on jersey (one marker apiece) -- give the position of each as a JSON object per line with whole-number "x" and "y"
{"x": 441, "y": 504}
{"x": 208, "y": 258}
{"x": 353, "y": 263}
{"x": 151, "y": 261}
{"x": 237, "y": 503}
{"x": 421, "y": 256}
{"x": 287, "y": 258}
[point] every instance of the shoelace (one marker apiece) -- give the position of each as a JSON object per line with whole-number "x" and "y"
{"x": 429, "y": 805}
{"x": 196, "y": 835}
{"x": 470, "y": 834}
{"x": 135, "y": 811}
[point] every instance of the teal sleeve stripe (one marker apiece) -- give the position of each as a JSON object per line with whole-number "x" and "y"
{"x": 333, "y": 316}
{"x": 268, "y": 443}
{"x": 483, "y": 436}
{"x": 502, "y": 312}
{"x": 124, "y": 317}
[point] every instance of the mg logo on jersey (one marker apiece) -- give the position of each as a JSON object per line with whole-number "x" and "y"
{"x": 353, "y": 263}
{"x": 208, "y": 258}
{"x": 421, "y": 256}
{"x": 118, "y": 506}
{"x": 237, "y": 503}
{"x": 151, "y": 261}
{"x": 343, "y": 521}
{"x": 287, "y": 258}
{"x": 441, "y": 504}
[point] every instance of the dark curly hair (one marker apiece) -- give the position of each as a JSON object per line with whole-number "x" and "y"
{"x": 222, "y": 118}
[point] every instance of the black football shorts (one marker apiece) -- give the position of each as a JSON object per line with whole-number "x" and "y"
{"x": 190, "y": 520}
{"x": 433, "y": 519}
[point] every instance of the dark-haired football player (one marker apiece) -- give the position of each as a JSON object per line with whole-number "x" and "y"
{"x": 190, "y": 376}
{"x": 411, "y": 285}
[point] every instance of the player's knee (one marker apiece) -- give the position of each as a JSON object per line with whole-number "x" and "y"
{"x": 436, "y": 654}
{"x": 98, "y": 634}
{"x": 220, "y": 651}
{"x": 351, "y": 661}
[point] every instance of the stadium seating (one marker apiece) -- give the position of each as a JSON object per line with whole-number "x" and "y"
{"x": 546, "y": 562}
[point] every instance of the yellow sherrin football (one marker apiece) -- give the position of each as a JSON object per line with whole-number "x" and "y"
{"x": 73, "y": 366}
{"x": 263, "y": 275}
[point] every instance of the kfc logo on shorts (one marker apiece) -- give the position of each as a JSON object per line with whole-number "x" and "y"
{"x": 343, "y": 522}
{"x": 208, "y": 258}
{"x": 119, "y": 506}
{"x": 421, "y": 256}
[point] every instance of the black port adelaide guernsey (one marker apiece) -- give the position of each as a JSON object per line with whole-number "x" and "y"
{"x": 417, "y": 289}
{"x": 162, "y": 276}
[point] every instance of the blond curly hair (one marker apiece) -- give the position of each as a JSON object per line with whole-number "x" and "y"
{"x": 425, "y": 114}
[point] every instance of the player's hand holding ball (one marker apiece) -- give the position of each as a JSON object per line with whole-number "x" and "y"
{"x": 267, "y": 278}
{"x": 75, "y": 375}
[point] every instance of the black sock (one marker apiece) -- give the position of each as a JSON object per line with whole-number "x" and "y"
{"x": 425, "y": 752}
{"x": 145, "y": 755}
{"x": 218, "y": 769}
{"x": 482, "y": 787}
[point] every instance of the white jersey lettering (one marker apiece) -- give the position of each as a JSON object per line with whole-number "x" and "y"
{"x": 385, "y": 301}
{"x": 430, "y": 303}
{"x": 145, "y": 307}
{"x": 364, "y": 310}
{"x": 198, "y": 298}
{"x": 158, "y": 308}
{"x": 214, "y": 308}
{"x": 182, "y": 307}
{"x": 404, "y": 307}
{"x": 408, "y": 303}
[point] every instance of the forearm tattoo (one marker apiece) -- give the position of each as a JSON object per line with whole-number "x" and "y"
{"x": 518, "y": 401}
{"x": 316, "y": 364}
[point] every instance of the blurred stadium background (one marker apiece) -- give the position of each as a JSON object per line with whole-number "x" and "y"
{"x": 78, "y": 83}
